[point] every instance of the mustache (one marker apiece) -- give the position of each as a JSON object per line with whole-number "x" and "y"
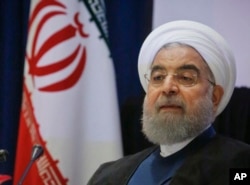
{"x": 169, "y": 101}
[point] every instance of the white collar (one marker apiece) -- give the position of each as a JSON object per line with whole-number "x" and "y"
{"x": 167, "y": 150}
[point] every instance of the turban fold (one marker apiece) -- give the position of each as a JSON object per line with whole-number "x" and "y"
{"x": 210, "y": 44}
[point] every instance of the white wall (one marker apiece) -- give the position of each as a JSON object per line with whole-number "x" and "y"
{"x": 231, "y": 18}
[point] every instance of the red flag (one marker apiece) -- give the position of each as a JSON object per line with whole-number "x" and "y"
{"x": 4, "y": 178}
{"x": 69, "y": 101}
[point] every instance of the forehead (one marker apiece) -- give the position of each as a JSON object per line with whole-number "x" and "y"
{"x": 173, "y": 57}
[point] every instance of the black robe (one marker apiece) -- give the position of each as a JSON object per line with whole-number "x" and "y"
{"x": 209, "y": 165}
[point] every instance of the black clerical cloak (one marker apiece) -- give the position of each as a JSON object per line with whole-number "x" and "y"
{"x": 209, "y": 165}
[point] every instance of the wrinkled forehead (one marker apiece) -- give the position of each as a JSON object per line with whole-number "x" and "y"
{"x": 183, "y": 56}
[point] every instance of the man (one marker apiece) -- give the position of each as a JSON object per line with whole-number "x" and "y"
{"x": 188, "y": 73}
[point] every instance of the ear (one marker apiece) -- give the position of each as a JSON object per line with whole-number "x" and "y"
{"x": 217, "y": 95}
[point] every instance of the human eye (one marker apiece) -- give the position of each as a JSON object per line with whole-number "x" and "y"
{"x": 157, "y": 77}
{"x": 187, "y": 78}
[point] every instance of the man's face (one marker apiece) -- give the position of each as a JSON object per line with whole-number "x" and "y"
{"x": 180, "y": 101}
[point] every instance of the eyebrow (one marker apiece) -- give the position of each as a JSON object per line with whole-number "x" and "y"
{"x": 156, "y": 68}
{"x": 183, "y": 67}
{"x": 189, "y": 67}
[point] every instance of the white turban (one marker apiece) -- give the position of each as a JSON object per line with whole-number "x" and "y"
{"x": 211, "y": 46}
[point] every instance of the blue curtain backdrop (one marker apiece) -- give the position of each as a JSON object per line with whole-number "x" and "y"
{"x": 129, "y": 23}
{"x": 13, "y": 28}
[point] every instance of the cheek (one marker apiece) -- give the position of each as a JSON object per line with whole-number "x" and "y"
{"x": 151, "y": 98}
{"x": 191, "y": 98}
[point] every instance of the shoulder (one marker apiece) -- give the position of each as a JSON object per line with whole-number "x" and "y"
{"x": 231, "y": 141}
{"x": 234, "y": 146}
{"x": 225, "y": 150}
{"x": 121, "y": 169}
{"x": 129, "y": 160}
{"x": 212, "y": 162}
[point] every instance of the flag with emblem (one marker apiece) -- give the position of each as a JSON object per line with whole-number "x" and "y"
{"x": 69, "y": 103}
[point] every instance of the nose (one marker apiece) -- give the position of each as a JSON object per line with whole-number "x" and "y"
{"x": 170, "y": 86}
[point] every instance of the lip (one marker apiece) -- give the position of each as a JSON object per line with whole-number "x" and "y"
{"x": 170, "y": 108}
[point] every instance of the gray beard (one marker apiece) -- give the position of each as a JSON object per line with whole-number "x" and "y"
{"x": 170, "y": 128}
